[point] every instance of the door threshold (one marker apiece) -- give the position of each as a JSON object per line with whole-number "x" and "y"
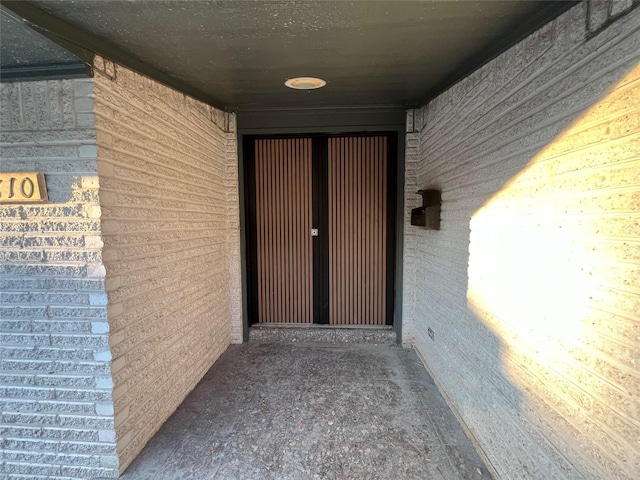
{"x": 310, "y": 332}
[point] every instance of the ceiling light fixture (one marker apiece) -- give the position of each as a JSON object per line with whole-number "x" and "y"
{"x": 305, "y": 83}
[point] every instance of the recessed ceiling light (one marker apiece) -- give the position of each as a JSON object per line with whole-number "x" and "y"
{"x": 305, "y": 83}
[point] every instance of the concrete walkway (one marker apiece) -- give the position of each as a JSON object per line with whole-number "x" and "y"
{"x": 312, "y": 411}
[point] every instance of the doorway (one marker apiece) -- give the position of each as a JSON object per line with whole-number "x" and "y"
{"x": 321, "y": 237}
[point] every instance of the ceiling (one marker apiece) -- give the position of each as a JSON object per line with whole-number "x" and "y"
{"x": 238, "y": 54}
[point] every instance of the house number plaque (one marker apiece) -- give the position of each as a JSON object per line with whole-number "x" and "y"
{"x": 19, "y": 187}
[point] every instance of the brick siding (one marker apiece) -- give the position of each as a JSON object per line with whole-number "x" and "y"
{"x": 233, "y": 231}
{"x": 55, "y": 394}
{"x": 168, "y": 193}
{"x": 531, "y": 287}
{"x": 120, "y": 293}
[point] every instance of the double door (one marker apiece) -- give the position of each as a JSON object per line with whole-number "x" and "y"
{"x": 321, "y": 228}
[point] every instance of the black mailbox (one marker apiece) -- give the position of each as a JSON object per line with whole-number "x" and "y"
{"x": 428, "y": 215}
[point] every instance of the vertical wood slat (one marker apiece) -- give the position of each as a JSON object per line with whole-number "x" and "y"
{"x": 284, "y": 221}
{"x": 357, "y": 230}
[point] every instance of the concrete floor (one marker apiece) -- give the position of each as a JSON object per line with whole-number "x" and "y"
{"x": 312, "y": 411}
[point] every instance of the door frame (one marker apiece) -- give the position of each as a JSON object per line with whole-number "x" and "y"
{"x": 320, "y": 215}
{"x": 324, "y": 122}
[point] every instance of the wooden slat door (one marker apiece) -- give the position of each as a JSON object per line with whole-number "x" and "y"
{"x": 358, "y": 230}
{"x": 339, "y": 186}
{"x": 284, "y": 221}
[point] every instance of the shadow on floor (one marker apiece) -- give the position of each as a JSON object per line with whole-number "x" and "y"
{"x": 312, "y": 411}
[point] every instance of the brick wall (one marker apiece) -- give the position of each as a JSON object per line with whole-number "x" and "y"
{"x": 168, "y": 192}
{"x": 409, "y": 286}
{"x": 532, "y": 285}
{"x": 233, "y": 231}
{"x": 55, "y": 394}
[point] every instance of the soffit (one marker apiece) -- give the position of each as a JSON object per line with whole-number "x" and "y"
{"x": 238, "y": 54}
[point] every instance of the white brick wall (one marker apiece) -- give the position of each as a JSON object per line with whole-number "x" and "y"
{"x": 532, "y": 287}
{"x": 233, "y": 230}
{"x": 411, "y": 200}
{"x": 168, "y": 193}
{"x": 55, "y": 382}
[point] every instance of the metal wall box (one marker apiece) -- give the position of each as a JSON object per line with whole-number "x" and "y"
{"x": 428, "y": 215}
